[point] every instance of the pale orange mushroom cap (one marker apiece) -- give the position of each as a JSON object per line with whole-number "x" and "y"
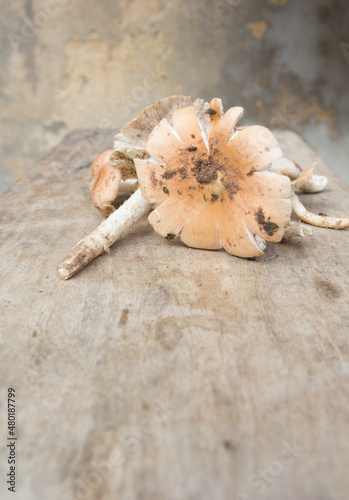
{"x": 112, "y": 166}
{"x": 105, "y": 183}
{"x": 215, "y": 189}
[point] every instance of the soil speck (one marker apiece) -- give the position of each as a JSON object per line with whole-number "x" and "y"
{"x": 124, "y": 317}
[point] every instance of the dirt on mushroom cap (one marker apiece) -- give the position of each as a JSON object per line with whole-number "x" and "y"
{"x": 130, "y": 144}
{"x": 201, "y": 167}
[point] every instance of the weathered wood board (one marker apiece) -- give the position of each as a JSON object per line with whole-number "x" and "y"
{"x": 166, "y": 373}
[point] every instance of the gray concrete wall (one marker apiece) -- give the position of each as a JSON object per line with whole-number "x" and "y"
{"x": 67, "y": 64}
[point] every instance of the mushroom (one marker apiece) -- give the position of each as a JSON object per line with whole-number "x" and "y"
{"x": 105, "y": 183}
{"x": 210, "y": 184}
{"x": 108, "y": 179}
{"x": 216, "y": 190}
{"x": 111, "y": 168}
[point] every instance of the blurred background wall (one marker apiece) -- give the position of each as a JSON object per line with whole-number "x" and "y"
{"x": 68, "y": 64}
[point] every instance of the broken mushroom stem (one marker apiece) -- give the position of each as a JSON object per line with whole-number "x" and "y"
{"x": 296, "y": 228}
{"x": 130, "y": 185}
{"x": 317, "y": 220}
{"x": 310, "y": 183}
{"x": 99, "y": 241}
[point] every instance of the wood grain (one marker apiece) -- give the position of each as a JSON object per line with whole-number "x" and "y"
{"x": 166, "y": 373}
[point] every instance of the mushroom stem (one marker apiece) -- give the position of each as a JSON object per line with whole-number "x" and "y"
{"x": 308, "y": 182}
{"x": 315, "y": 185}
{"x": 317, "y": 220}
{"x": 304, "y": 177}
{"x": 99, "y": 241}
{"x": 297, "y": 229}
{"x": 130, "y": 185}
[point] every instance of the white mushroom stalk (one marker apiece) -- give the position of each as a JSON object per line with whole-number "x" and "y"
{"x": 130, "y": 185}
{"x": 310, "y": 183}
{"x": 99, "y": 241}
{"x": 213, "y": 185}
{"x": 317, "y": 220}
{"x": 296, "y": 228}
{"x": 315, "y": 185}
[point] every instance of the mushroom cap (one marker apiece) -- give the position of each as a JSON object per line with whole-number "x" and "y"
{"x": 137, "y": 131}
{"x": 105, "y": 183}
{"x": 130, "y": 144}
{"x": 215, "y": 186}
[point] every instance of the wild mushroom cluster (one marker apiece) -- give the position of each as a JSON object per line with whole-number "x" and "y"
{"x": 206, "y": 181}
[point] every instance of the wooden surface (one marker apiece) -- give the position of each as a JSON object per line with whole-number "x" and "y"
{"x": 166, "y": 373}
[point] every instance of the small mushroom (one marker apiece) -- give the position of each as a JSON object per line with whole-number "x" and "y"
{"x": 105, "y": 183}
{"x": 108, "y": 180}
